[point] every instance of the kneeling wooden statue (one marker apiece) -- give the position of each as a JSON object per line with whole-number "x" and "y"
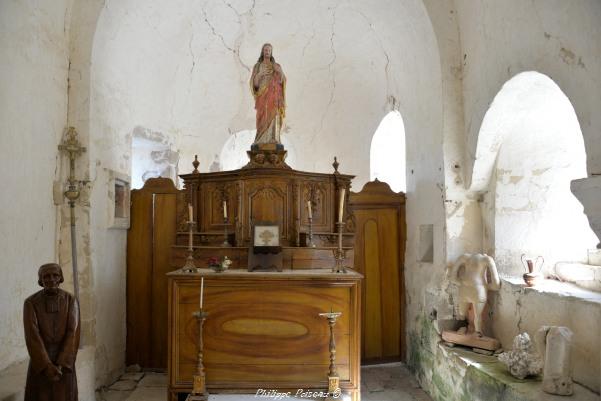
{"x": 475, "y": 275}
{"x": 51, "y": 323}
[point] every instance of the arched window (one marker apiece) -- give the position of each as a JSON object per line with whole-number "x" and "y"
{"x": 233, "y": 153}
{"x": 539, "y": 151}
{"x": 387, "y": 152}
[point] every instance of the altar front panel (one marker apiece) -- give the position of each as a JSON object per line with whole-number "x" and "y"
{"x": 264, "y": 330}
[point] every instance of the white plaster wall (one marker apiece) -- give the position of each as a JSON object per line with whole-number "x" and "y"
{"x": 183, "y": 71}
{"x": 444, "y": 190}
{"x": 108, "y": 255}
{"x": 33, "y": 108}
{"x": 556, "y": 38}
{"x": 101, "y": 254}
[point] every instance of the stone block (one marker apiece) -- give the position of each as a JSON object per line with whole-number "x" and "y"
{"x": 594, "y": 257}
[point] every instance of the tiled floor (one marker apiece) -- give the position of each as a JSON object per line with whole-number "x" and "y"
{"x": 389, "y": 382}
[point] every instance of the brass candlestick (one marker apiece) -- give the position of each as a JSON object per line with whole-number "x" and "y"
{"x": 333, "y": 378}
{"x": 225, "y": 241}
{"x": 190, "y": 267}
{"x": 199, "y": 385}
{"x": 310, "y": 243}
{"x": 339, "y": 253}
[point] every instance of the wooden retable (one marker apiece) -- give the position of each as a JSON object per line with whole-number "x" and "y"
{"x": 263, "y": 330}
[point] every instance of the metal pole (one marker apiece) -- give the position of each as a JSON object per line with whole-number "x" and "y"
{"x": 72, "y": 146}
{"x": 74, "y": 251}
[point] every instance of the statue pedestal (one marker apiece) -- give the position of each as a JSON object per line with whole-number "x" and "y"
{"x": 471, "y": 340}
{"x": 267, "y": 155}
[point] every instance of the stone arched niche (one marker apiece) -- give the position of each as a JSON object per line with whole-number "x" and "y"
{"x": 530, "y": 148}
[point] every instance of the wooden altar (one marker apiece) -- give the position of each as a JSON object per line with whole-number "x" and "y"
{"x": 263, "y": 330}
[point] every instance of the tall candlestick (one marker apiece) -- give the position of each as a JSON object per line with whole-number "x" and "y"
{"x": 309, "y": 209}
{"x": 189, "y": 267}
{"x": 341, "y": 206}
{"x": 202, "y": 288}
{"x": 190, "y": 212}
{"x": 225, "y": 209}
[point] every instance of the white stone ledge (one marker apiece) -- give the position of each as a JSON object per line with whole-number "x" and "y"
{"x": 583, "y": 275}
{"x": 557, "y": 288}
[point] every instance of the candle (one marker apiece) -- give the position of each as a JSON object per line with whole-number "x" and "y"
{"x": 225, "y": 210}
{"x": 341, "y": 206}
{"x": 309, "y": 209}
{"x": 190, "y": 212}
{"x": 202, "y": 288}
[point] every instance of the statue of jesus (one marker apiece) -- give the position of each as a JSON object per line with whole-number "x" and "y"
{"x": 268, "y": 86}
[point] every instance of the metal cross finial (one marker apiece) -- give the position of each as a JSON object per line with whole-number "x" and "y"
{"x": 71, "y": 144}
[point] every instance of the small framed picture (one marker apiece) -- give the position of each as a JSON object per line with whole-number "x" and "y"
{"x": 266, "y": 235}
{"x": 119, "y": 204}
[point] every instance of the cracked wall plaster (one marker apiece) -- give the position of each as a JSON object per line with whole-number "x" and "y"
{"x": 33, "y": 105}
{"x": 556, "y": 38}
{"x": 343, "y": 60}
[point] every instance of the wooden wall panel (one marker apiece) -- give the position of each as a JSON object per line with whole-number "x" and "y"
{"x": 163, "y": 238}
{"x": 372, "y": 326}
{"x": 388, "y": 227}
{"x": 139, "y": 278}
{"x": 149, "y": 240}
{"x": 379, "y": 251}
